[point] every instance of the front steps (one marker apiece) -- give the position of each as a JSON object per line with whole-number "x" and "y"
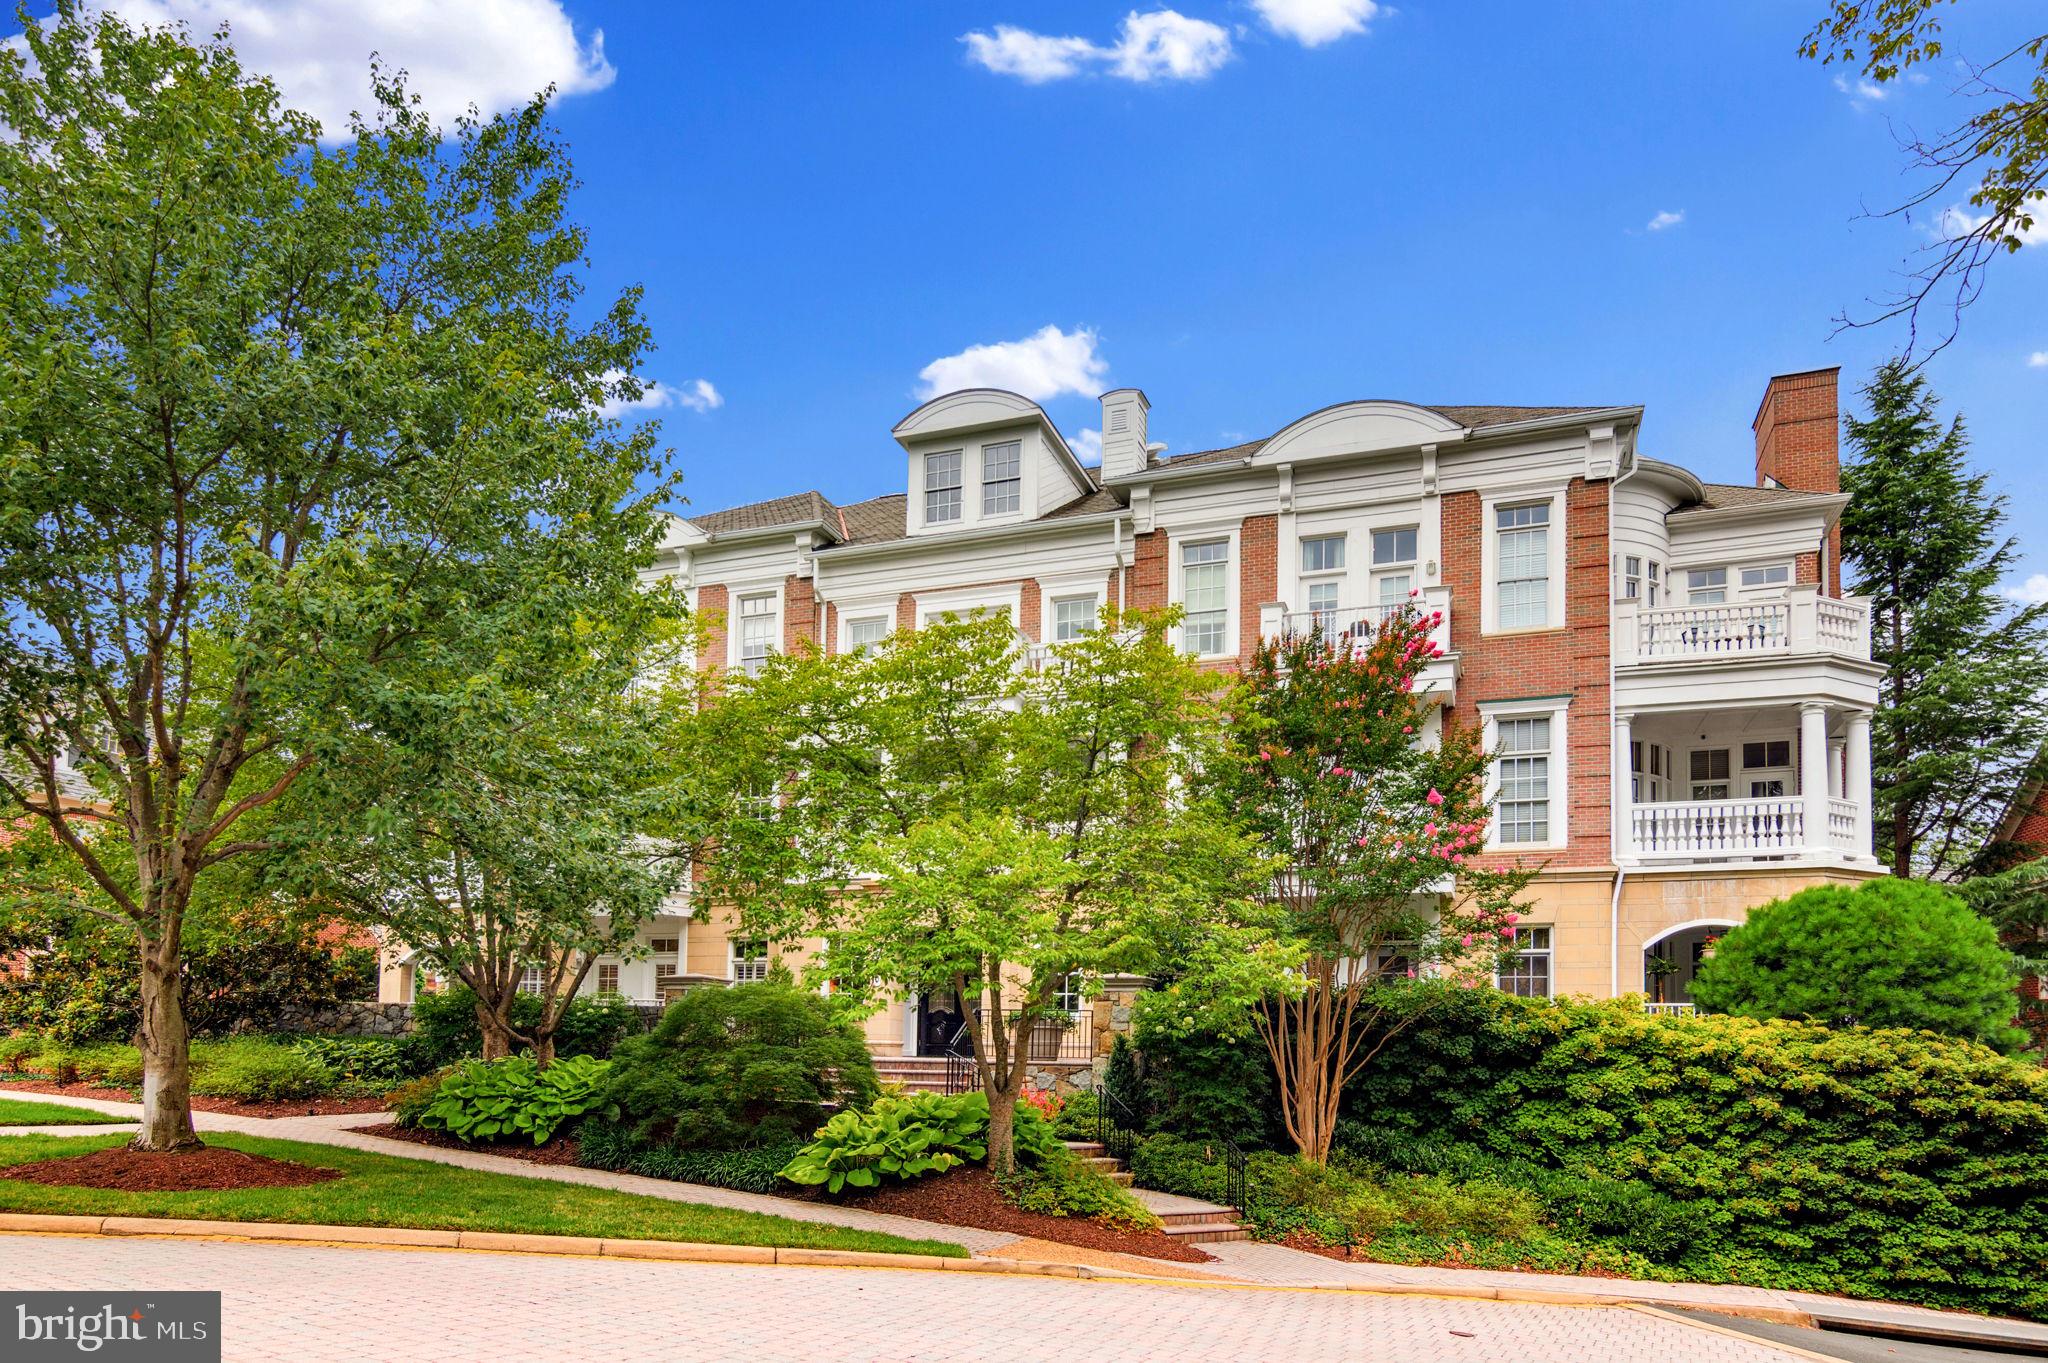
{"x": 1187, "y": 1219}
{"x": 914, "y": 1073}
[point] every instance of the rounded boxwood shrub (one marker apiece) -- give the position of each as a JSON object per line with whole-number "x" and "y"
{"x": 1889, "y": 953}
{"x": 757, "y": 1064}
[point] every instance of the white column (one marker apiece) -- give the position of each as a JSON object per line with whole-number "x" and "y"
{"x": 1856, "y": 777}
{"x": 1835, "y": 786}
{"x": 1813, "y": 772}
{"x": 1624, "y": 781}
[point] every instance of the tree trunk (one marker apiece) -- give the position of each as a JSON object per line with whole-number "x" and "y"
{"x": 496, "y": 1030}
{"x": 1002, "y": 1134}
{"x": 544, "y": 1050}
{"x": 166, "y": 1048}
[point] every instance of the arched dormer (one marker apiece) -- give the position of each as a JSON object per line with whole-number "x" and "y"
{"x": 984, "y": 457}
{"x": 1359, "y": 428}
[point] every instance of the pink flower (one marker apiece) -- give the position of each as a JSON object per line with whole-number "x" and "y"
{"x": 1457, "y": 860}
{"x": 1429, "y": 830}
{"x": 1415, "y": 591}
{"x": 1407, "y": 728}
{"x": 1513, "y": 918}
{"x": 1508, "y": 933}
{"x": 1435, "y": 796}
{"x": 1467, "y": 939}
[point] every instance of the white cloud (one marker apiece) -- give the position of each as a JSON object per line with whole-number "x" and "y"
{"x": 1033, "y": 58}
{"x": 1160, "y": 45}
{"x": 2034, "y": 591}
{"x": 495, "y": 54}
{"x": 698, "y": 395}
{"x": 1315, "y": 22}
{"x": 1956, "y": 221}
{"x": 1665, "y": 219}
{"x": 1086, "y": 444}
{"x": 1862, "y": 91}
{"x": 1043, "y": 365}
{"x": 2038, "y": 360}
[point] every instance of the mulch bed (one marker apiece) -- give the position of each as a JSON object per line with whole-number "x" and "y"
{"x": 969, "y": 1197}
{"x": 208, "y": 1169}
{"x": 560, "y": 1150}
{"x": 236, "y": 1107}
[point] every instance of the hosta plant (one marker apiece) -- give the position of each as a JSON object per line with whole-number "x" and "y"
{"x": 491, "y": 1100}
{"x": 908, "y": 1137}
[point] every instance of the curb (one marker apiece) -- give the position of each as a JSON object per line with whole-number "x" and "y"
{"x": 1795, "y": 1350}
{"x": 501, "y": 1242}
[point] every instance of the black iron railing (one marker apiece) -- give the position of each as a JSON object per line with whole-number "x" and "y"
{"x": 1117, "y": 1128}
{"x": 1236, "y": 1183}
{"x": 962, "y": 1074}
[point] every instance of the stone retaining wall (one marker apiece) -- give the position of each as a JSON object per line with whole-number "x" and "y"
{"x": 346, "y": 1019}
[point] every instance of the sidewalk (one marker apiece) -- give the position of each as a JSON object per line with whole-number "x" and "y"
{"x": 1240, "y": 1262}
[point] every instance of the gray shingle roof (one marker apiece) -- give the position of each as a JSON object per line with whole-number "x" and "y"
{"x": 795, "y": 510}
{"x": 1476, "y": 418}
{"x": 1719, "y": 496}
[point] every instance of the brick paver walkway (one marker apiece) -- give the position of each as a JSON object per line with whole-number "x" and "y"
{"x": 310, "y": 1304}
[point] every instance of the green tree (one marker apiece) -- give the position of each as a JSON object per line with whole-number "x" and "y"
{"x": 1961, "y": 711}
{"x": 1999, "y": 154}
{"x": 279, "y": 420}
{"x": 505, "y": 809}
{"x": 2015, "y": 902}
{"x": 1375, "y": 832}
{"x": 951, "y": 813}
{"x": 1889, "y": 953}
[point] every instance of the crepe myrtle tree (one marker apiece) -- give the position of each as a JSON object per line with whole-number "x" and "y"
{"x": 1374, "y": 824}
{"x": 279, "y": 419}
{"x": 509, "y": 811}
{"x": 949, "y": 812}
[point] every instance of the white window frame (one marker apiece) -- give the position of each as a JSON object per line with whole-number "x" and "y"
{"x": 966, "y": 603}
{"x": 532, "y": 980}
{"x": 1710, "y": 588}
{"x": 1557, "y": 709}
{"x": 1176, "y": 585}
{"x": 1728, "y": 780}
{"x": 1378, "y": 572}
{"x": 597, "y": 974}
{"x": 847, "y": 625}
{"x": 1327, "y": 580}
{"x": 847, "y": 611}
{"x": 1631, "y": 585}
{"x": 1547, "y": 953}
{"x": 958, "y": 488}
{"x": 1015, "y": 482}
{"x": 1092, "y": 611}
{"x": 746, "y": 969}
{"x": 1747, "y": 588}
{"x": 735, "y": 629}
{"x": 1489, "y": 551}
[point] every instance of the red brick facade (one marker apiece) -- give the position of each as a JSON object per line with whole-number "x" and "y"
{"x": 1147, "y": 587}
{"x": 1258, "y": 579}
{"x": 1798, "y": 445}
{"x": 1568, "y": 661}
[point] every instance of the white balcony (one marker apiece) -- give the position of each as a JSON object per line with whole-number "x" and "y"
{"x": 1358, "y": 626}
{"x": 1803, "y": 623}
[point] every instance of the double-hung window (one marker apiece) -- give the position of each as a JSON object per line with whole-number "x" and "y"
{"x": 1072, "y": 617}
{"x": 757, "y": 631}
{"x": 942, "y": 487}
{"x": 530, "y": 979}
{"x": 1656, "y": 583}
{"x": 1205, "y": 597}
{"x": 1066, "y": 996}
{"x": 1393, "y": 567}
{"x": 864, "y": 632}
{"x": 607, "y": 977}
{"x": 1772, "y": 575}
{"x": 749, "y": 961}
{"x": 1706, "y": 586}
{"x": 1709, "y": 770}
{"x": 1002, "y": 482}
{"x": 1527, "y": 972}
{"x": 1767, "y": 768}
{"x": 1631, "y": 577}
{"x": 1523, "y": 550}
{"x": 1322, "y": 577}
{"x": 1522, "y": 811}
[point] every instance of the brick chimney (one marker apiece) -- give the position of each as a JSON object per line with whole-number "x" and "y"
{"x": 1798, "y": 427}
{"x": 1123, "y": 432}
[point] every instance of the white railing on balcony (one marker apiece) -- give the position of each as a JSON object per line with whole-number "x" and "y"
{"x": 1801, "y": 622}
{"x": 1361, "y": 623}
{"x": 1842, "y": 830}
{"x": 1718, "y": 827}
{"x": 1671, "y": 1010}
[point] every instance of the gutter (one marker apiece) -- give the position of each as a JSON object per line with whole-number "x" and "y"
{"x": 884, "y": 548}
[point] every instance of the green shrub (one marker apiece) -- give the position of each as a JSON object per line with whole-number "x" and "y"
{"x": 115, "y": 1064}
{"x": 258, "y": 1070}
{"x": 1076, "y": 1121}
{"x": 372, "y": 1062}
{"x": 1065, "y": 1186}
{"x": 410, "y": 1100}
{"x": 751, "y": 1065}
{"x": 19, "y": 1051}
{"x": 1172, "y": 1164}
{"x": 1781, "y": 1154}
{"x": 1201, "y": 1085}
{"x": 910, "y": 1136}
{"x": 494, "y": 1100}
{"x": 445, "y": 1028}
{"x": 1889, "y": 953}
{"x": 612, "y": 1145}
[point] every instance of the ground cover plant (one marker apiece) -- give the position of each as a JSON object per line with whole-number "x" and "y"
{"x": 906, "y": 1138}
{"x": 20, "y": 1112}
{"x": 251, "y": 1069}
{"x": 384, "y": 1190}
{"x": 513, "y": 1098}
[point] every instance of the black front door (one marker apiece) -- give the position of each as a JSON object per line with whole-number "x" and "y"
{"x": 941, "y": 1028}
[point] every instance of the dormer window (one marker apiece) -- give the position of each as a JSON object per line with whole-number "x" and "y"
{"x": 1002, "y": 482}
{"x": 942, "y": 487}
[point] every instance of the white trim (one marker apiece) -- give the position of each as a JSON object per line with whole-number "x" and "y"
{"x": 845, "y": 612}
{"x": 1052, "y": 590}
{"x": 963, "y": 601}
{"x": 734, "y": 592}
{"x": 1558, "y": 555}
{"x": 1557, "y": 709}
{"x": 1671, "y": 932}
{"x": 1231, "y": 532}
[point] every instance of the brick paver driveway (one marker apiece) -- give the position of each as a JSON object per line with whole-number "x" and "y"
{"x": 311, "y": 1303}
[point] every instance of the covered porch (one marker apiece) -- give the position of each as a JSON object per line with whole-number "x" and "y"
{"x": 1747, "y": 783}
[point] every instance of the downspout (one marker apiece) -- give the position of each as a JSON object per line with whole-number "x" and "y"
{"x": 1617, "y": 784}
{"x": 1116, "y": 546}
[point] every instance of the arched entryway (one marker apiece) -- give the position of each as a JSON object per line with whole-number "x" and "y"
{"x": 1672, "y": 957}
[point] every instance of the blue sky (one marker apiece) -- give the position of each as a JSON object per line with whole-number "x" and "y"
{"x": 1451, "y": 205}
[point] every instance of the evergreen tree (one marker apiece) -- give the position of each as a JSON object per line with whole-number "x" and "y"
{"x": 1959, "y": 719}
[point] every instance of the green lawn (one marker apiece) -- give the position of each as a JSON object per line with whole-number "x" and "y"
{"x": 380, "y": 1190}
{"x": 19, "y": 1112}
